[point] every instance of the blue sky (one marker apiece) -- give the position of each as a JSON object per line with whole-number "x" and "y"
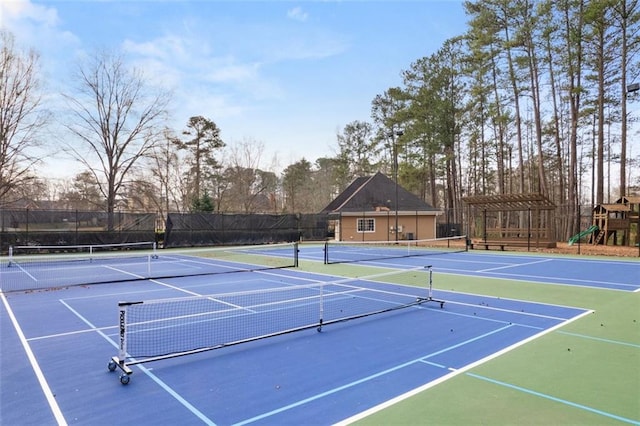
{"x": 286, "y": 74}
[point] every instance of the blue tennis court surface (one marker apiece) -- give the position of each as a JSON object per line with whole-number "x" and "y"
{"x": 43, "y": 271}
{"x": 57, "y": 344}
{"x": 616, "y": 273}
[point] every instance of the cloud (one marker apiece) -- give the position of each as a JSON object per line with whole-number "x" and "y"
{"x": 35, "y": 26}
{"x": 168, "y": 47}
{"x": 203, "y": 82}
{"x": 240, "y": 72}
{"x": 38, "y": 27}
{"x": 313, "y": 45}
{"x": 18, "y": 10}
{"x": 297, "y": 14}
{"x": 226, "y": 70}
{"x": 192, "y": 59}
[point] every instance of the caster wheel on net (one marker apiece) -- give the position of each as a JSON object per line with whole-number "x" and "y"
{"x": 124, "y": 379}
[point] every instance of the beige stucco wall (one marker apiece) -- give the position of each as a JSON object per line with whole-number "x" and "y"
{"x": 418, "y": 225}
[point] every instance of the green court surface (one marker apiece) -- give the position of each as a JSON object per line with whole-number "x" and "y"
{"x": 586, "y": 372}
{"x": 572, "y": 358}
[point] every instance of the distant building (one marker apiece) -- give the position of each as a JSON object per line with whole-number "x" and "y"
{"x": 368, "y": 211}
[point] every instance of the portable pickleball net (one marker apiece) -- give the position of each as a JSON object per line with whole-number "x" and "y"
{"x": 153, "y": 330}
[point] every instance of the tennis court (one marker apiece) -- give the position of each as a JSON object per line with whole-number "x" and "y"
{"x": 612, "y": 273}
{"x": 58, "y": 339}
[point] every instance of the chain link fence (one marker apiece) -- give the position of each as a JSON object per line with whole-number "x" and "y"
{"x": 31, "y": 227}
{"x": 202, "y": 229}
{"x": 73, "y": 227}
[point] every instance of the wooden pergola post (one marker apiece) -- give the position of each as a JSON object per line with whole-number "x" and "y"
{"x": 539, "y": 222}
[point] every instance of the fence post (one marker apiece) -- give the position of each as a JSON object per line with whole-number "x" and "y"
{"x": 529, "y": 229}
{"x": 484, "y": 219}
{"x": 77, "y": 227}
{"x": 579, "y": 219}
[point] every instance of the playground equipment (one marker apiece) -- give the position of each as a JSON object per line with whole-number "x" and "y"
{"x": 579, "y": 236}
{"x": 613, "y": 220}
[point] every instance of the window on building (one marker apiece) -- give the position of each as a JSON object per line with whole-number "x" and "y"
{"x": 366, "y": 225}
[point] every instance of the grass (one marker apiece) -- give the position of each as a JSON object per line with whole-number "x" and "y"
{"x": 586, "y": 372}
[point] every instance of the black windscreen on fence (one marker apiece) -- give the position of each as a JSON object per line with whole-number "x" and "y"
{"x": 73, "y": 227}
{"x": 200, "y": 229}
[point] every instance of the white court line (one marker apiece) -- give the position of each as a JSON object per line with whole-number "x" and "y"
{"x": 189, "y": 292}
{"x": 194, "y": 263}
{"x": 514, "y": 266}
{"x": 70, "y": 333}
{"x": 599, "y": 285}
{"x": 453, "y": 373}
{"x": 535, "y": 279}
{"x": 558, "y": 280}
{"x": 146, "y": 371}
{"x": 341, "y": 282}
{"x": 510, "y": 311}
{"x": 365, "y": 379}
{"x": 51, "y": 399}
{"x": 28, "y": 274}
{"x": 599, "y": 339}
{"x": 562, "y": 258}
{"x": 554, "y": 399}
{"x": 231, "y": 264}
{"x": 388, "y": 263}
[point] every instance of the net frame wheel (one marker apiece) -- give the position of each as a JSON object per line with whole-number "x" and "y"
{"x": 112, "y": 365}
{"x": 124, "y": 378}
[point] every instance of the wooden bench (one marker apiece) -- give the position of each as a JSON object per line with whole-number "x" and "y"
{"x": 486, "y": 245}
{"x": 511, "y": 243}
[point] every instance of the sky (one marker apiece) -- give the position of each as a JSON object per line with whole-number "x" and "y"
{"x": 286, "y": 75}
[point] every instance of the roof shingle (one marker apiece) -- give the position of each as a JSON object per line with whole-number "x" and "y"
{"x": 375, "y": 193}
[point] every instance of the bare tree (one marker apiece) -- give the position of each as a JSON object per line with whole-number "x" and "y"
{"x": 82, "y": 192}
{"x": 21, "y": 115}
{"x": 253, "y": 189}
{"x": 116, "y": 116}
{"x": 166, "y": 171}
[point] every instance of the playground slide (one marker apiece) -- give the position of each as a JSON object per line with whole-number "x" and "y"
{"x": 592, "y": 229}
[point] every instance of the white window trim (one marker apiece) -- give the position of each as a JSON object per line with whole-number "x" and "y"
{"x": 364, "y": 228}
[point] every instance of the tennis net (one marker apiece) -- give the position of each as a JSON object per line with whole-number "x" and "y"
{"x": 361, "y": 251}
{"x": 160, "y": 329}
{"x": 46, "y": 271}
{"x": 80, "y": 248}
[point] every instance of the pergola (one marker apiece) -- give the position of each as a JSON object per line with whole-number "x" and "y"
{"x": 511, "y": 219}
